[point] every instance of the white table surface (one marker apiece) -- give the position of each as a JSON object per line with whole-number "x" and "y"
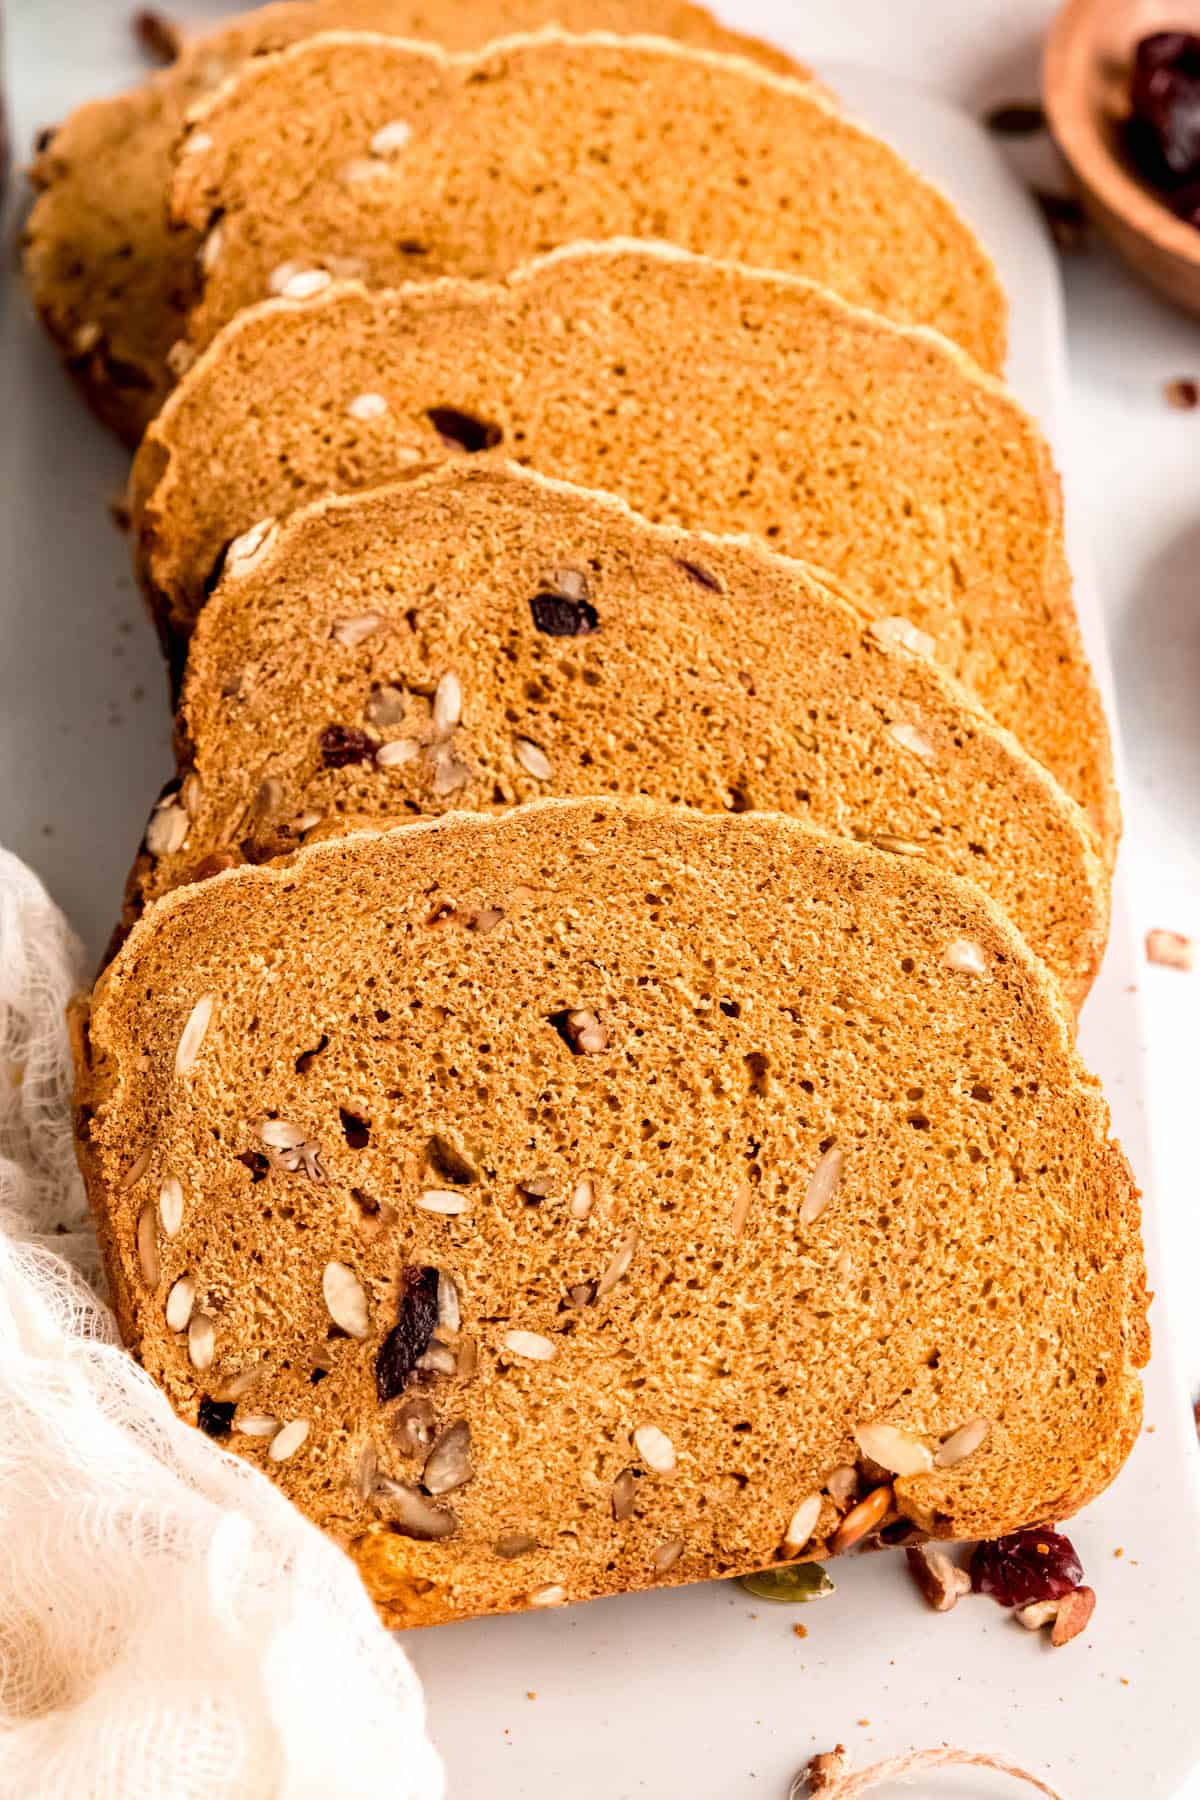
{"x": 1132, "y": 465}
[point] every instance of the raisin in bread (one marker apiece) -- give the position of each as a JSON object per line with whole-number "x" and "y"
{"x": 363, "y": 156}
{"x": 599, "y": 1194}
{"x": 481, "y": 636}
{"x": 111, "y": 277}
{"x": 703, "y": 393}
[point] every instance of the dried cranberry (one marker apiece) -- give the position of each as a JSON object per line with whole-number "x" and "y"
{"x": 342, "y": 745}
{"x": 409, "y": 1337}
{"x": 1162, "y": 133}
{"x": 216, "y": 1417}
{"x": 462, "y": 431}
{"x": 1026, "y": 1566}
{"x": 560, "y": 616}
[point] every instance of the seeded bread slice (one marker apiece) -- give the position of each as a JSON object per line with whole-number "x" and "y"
{"x": 111, "y": 278}
{"x": 581, "y": 1198}
{"x": 479, "y": 636}
{"x": 704, "y": 394}
{"x": 382, "y": 160}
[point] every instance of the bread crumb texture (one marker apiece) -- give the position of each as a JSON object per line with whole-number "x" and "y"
{"x": 556, "y": 1203}
{"x": 360, "y": 156}
{"x": 706, "y": 395}
{"x": 480, "y": 636}
{"x": 112, "y": 277}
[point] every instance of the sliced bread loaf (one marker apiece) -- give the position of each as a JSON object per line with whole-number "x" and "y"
{"x": 599, "y": 1195}
{"x": 704, "y": 394}
{"x": 111, "y": 278}
{"x": 392, "y": 162}
{"x": 480, "y": 636}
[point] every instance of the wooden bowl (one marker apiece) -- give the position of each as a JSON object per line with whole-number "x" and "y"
{"x": 1085, "y": 90}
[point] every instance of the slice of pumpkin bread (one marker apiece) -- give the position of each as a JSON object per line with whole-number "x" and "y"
{"x": 360, "y": 155}
{"x": 109, "y": 273}
{"x": 481, "y": 636}
{"x": 706, "y": 395}
{"x": 599, "y": 1195}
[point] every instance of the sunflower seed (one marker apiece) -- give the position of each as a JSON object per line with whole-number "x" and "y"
{"x": 354, "y": 631}
{"x": 822, "y": 1185}
{"x": 965, "y": 957}
{"x": 191, "y": 793}
{"x": 902, "y": 634}
{"x": 346, "y": 1299}
{"x": 147, "y": 1247}
{"x": 414, "y": 1426}
{"x": 390, "y": 138}
{"x": 582, "y": 1294}
{"x": 533, "y": 758}
{"x": 741, "y": 1207}
{"x": 961, "y": 1443}
{"x": 257, "y": 1425}
{"x": 386, "y": 706}
{"x": 512, "y": 1544}
{"x": 582, "y": 1198}
{"x": 449, "y": 773}
{"x": 446, "y": 1201}
{"x": 618, "y": 1267}
{"x": 655, "y": 1449}
{"x": 529, "y": 1344}
{"x": 136, "y": 1169}
{"x": 624, "y": 1495}
{"x": 438, "y": 1359}
{"x": 449, "y": 1310}
{"x": 211, "y": 251}
{"x": 802, "y": 1523}
{"x": 448, "y": 1465}
{"x": 364, "y": 1471}
{"x": 180, "y": 1302}
{"x": 367, "y": 406}
{"x": 891, "y": 842}
{"x": 281, "y": 1134}
{"x": 299, "y": 284}
{"x": 306, "y": 820}
{"x": 912, "y": 738}
{"x": 447, "y": 703}
{"x": 236, "y": 1387}
{"x": 841, "y": 1484}
{"x": 202, "y": 1341}
{"x": 400, "y": 750}
{"x": 287, "y": 1440}
{"x": 250, "y": 548}
{"x": 667, "y": 1555}
{"x": 167, "y": 830}
{"x": 170, "y": 1205}
{"x": 551, "y": 1594}
{"x": 412, "y": 1513}
{"x": 85, "y": 337}
{"x": 192, "y": 1036}
{"x": 897, "y": 1451}
{"x": 195, "y": 144}
{"x": 468, "y": 1359}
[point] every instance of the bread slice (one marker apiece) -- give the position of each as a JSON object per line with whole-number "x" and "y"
{"x": 480, "y": 636}
{"x": 396, "y": 162}
{"x": 626, "y": 1176}
{"x": 706, "y": 395}
{"x": 111, "y": 278}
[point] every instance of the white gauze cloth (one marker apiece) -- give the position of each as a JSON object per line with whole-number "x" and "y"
{"x": 170, "y": 1627}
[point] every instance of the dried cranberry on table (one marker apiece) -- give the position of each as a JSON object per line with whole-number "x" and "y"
{"x": 1026, "y": 1566}
{"x": 1162, "y": 134}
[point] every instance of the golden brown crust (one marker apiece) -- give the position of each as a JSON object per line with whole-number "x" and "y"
{"x": 687, "y": 387}
{"x": 594, "y": 653}
{"x": 364, "y": 156}
{"x": 109, "y": 277}
{"x": 759, "y": 998}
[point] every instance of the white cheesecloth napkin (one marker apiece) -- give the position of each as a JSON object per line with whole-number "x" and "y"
{"x": 170, "y": 1627}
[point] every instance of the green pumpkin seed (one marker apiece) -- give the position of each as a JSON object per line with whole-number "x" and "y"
{"x": 790, "y": 1583}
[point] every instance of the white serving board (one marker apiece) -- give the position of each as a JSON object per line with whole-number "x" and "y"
{"x": 700, "y": 1692}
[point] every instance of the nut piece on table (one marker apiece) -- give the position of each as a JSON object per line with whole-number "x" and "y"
{"x": 1068, "y": 1616}
{"x": 821, "y": 1773}
{"x": 1170, "y": 949}
{"x": 940, "y": 1580}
